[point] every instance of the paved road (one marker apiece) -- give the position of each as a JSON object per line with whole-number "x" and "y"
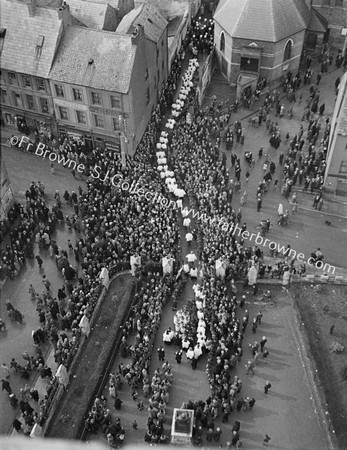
{"x": 304, "y": 233}
{"x": 24, "y": 168}
{"x": 287, "y": 413}
{"x": 307, "y": 229}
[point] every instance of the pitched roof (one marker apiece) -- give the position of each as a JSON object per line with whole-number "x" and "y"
{"x": 93, "y": 15}
{"x": 149, "y": 17}
{"x": 263, "y": 20}
{"x": 317, "y": 22}
{"x": 22, "y": 36}
{"x": 112, "y": 57}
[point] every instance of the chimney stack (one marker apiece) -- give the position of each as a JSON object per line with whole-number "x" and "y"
{"x": 64, "y": 14}
{"x": 31, "y": 7}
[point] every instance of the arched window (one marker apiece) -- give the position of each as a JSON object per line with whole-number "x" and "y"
{"x": 287, "y": 51}
{"x": 222, "y": 43}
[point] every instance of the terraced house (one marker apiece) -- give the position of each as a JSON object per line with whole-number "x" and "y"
{"x": 30, "y": 34}
{"x": 66, "y": 69}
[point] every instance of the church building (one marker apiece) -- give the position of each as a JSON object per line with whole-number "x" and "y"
{"x": 263, "y": 38}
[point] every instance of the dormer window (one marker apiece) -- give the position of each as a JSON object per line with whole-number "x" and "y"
{"x": 39, "y": 45}
{"x": 2, "y": 37}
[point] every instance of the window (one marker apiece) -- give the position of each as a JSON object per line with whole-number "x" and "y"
{"x": 59, "y": 90}
{"x": 2, "y": 38}
{"x": 339, "y": 3}
{"x": 287, "y": 51}
{"x": 96, "y": 98}
{"x": 12, "y": 78}
{"x": 40, "y": 84}
{"x": 343, "y": 167}
{"x": 148, "y": 97}
{"x": 39, "y": 45}
{"x": 146, "y": 73}
{"x": 98, "y": 120}
{"x": 44, "y": 105}
{"x": 115, "y": 102}
{"x": 116, "y": 124}
{"x": 222, "y": 43}
{"x": 77, "y": 94}
{"x": 17, "y": 99}
{"x": 26, "y": 80}
{"x": 63, "y": 112}
{"x": 162, "y": 65}
{"x": 81, "y": 117}
{"x": 30, "y": 102}
{"x": 4, "y": 97}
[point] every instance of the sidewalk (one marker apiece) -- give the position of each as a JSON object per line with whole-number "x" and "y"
{"x": 40, "y": 385}
{"x": 330, "y": 207}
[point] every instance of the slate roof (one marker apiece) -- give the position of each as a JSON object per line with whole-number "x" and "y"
{"x": 317, "y": 22}
{"x": 93, "y": 15}
{"x": 113, "y": 3}
{"x": 149, "y": 17}
{"x": 264, "y": 20}
{"x": 113, "y": 58}
{"x": 22, "y": 33}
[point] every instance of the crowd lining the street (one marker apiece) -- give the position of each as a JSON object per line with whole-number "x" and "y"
{"x": 111, "y": 226}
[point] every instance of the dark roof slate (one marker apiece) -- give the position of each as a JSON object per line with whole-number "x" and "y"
{"x": 264, "y": 20}
{"x": 112, "y": 57}
{"x": 149, "y": 17}
{"x": 22, "y": 35}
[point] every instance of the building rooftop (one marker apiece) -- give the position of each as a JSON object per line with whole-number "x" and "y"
{"x": 29, "y": 43}
{"x": 149, "y": 17}
{"x": 96, "y": 59}
{"x": 263, "y": 20}
{"x": 317, "y": 22}
{"x": 92, "y": 15}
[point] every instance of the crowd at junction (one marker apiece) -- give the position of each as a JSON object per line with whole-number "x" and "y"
{"x": 113, "y": 226}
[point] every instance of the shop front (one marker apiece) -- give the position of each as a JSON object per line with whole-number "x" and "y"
{"x": 26, "y": 122}
{"x": 91, "y": 139}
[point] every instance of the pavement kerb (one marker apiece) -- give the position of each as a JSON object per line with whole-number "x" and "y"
{"x": 313, "y": 383}
{"x": 321, "y": 212}
{"x": 50, "y": 351}
{"x": 61, "y": 389}
{"x": 309, "y": 279}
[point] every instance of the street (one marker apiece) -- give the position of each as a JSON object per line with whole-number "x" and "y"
{"x": 287, "y": 413}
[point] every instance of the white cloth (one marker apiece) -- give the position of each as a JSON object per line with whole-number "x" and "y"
{"x": 190, "y": 353}
{"x": 135, "y": 261}
{"x": 85, "y": 325}
{"x": 220, "y": 268}
{"x": 104, "y": 277}
{"x": 167, "y": 264}
{"x": 168, "y": 335}
{"x": 189, "y": 237}
{"x": 185, "y": 344}
{"x": 200, "y": 314}
{"x": 186, "y": 222}
{"x": 185, "y": 212}
{"x": 252, "y": 275}
{"x": 197, "y": 351}
{"x": 194, "y": 272}
{"x": 191, "y": 257}
{"x": 62, "y": 375}
{"x": 36, "y": 431}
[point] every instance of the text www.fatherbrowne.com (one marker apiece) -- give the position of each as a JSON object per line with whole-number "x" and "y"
{"x": 117, "y": 181}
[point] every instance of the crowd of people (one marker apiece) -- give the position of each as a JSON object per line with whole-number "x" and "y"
{"x": 113, "y": 225}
